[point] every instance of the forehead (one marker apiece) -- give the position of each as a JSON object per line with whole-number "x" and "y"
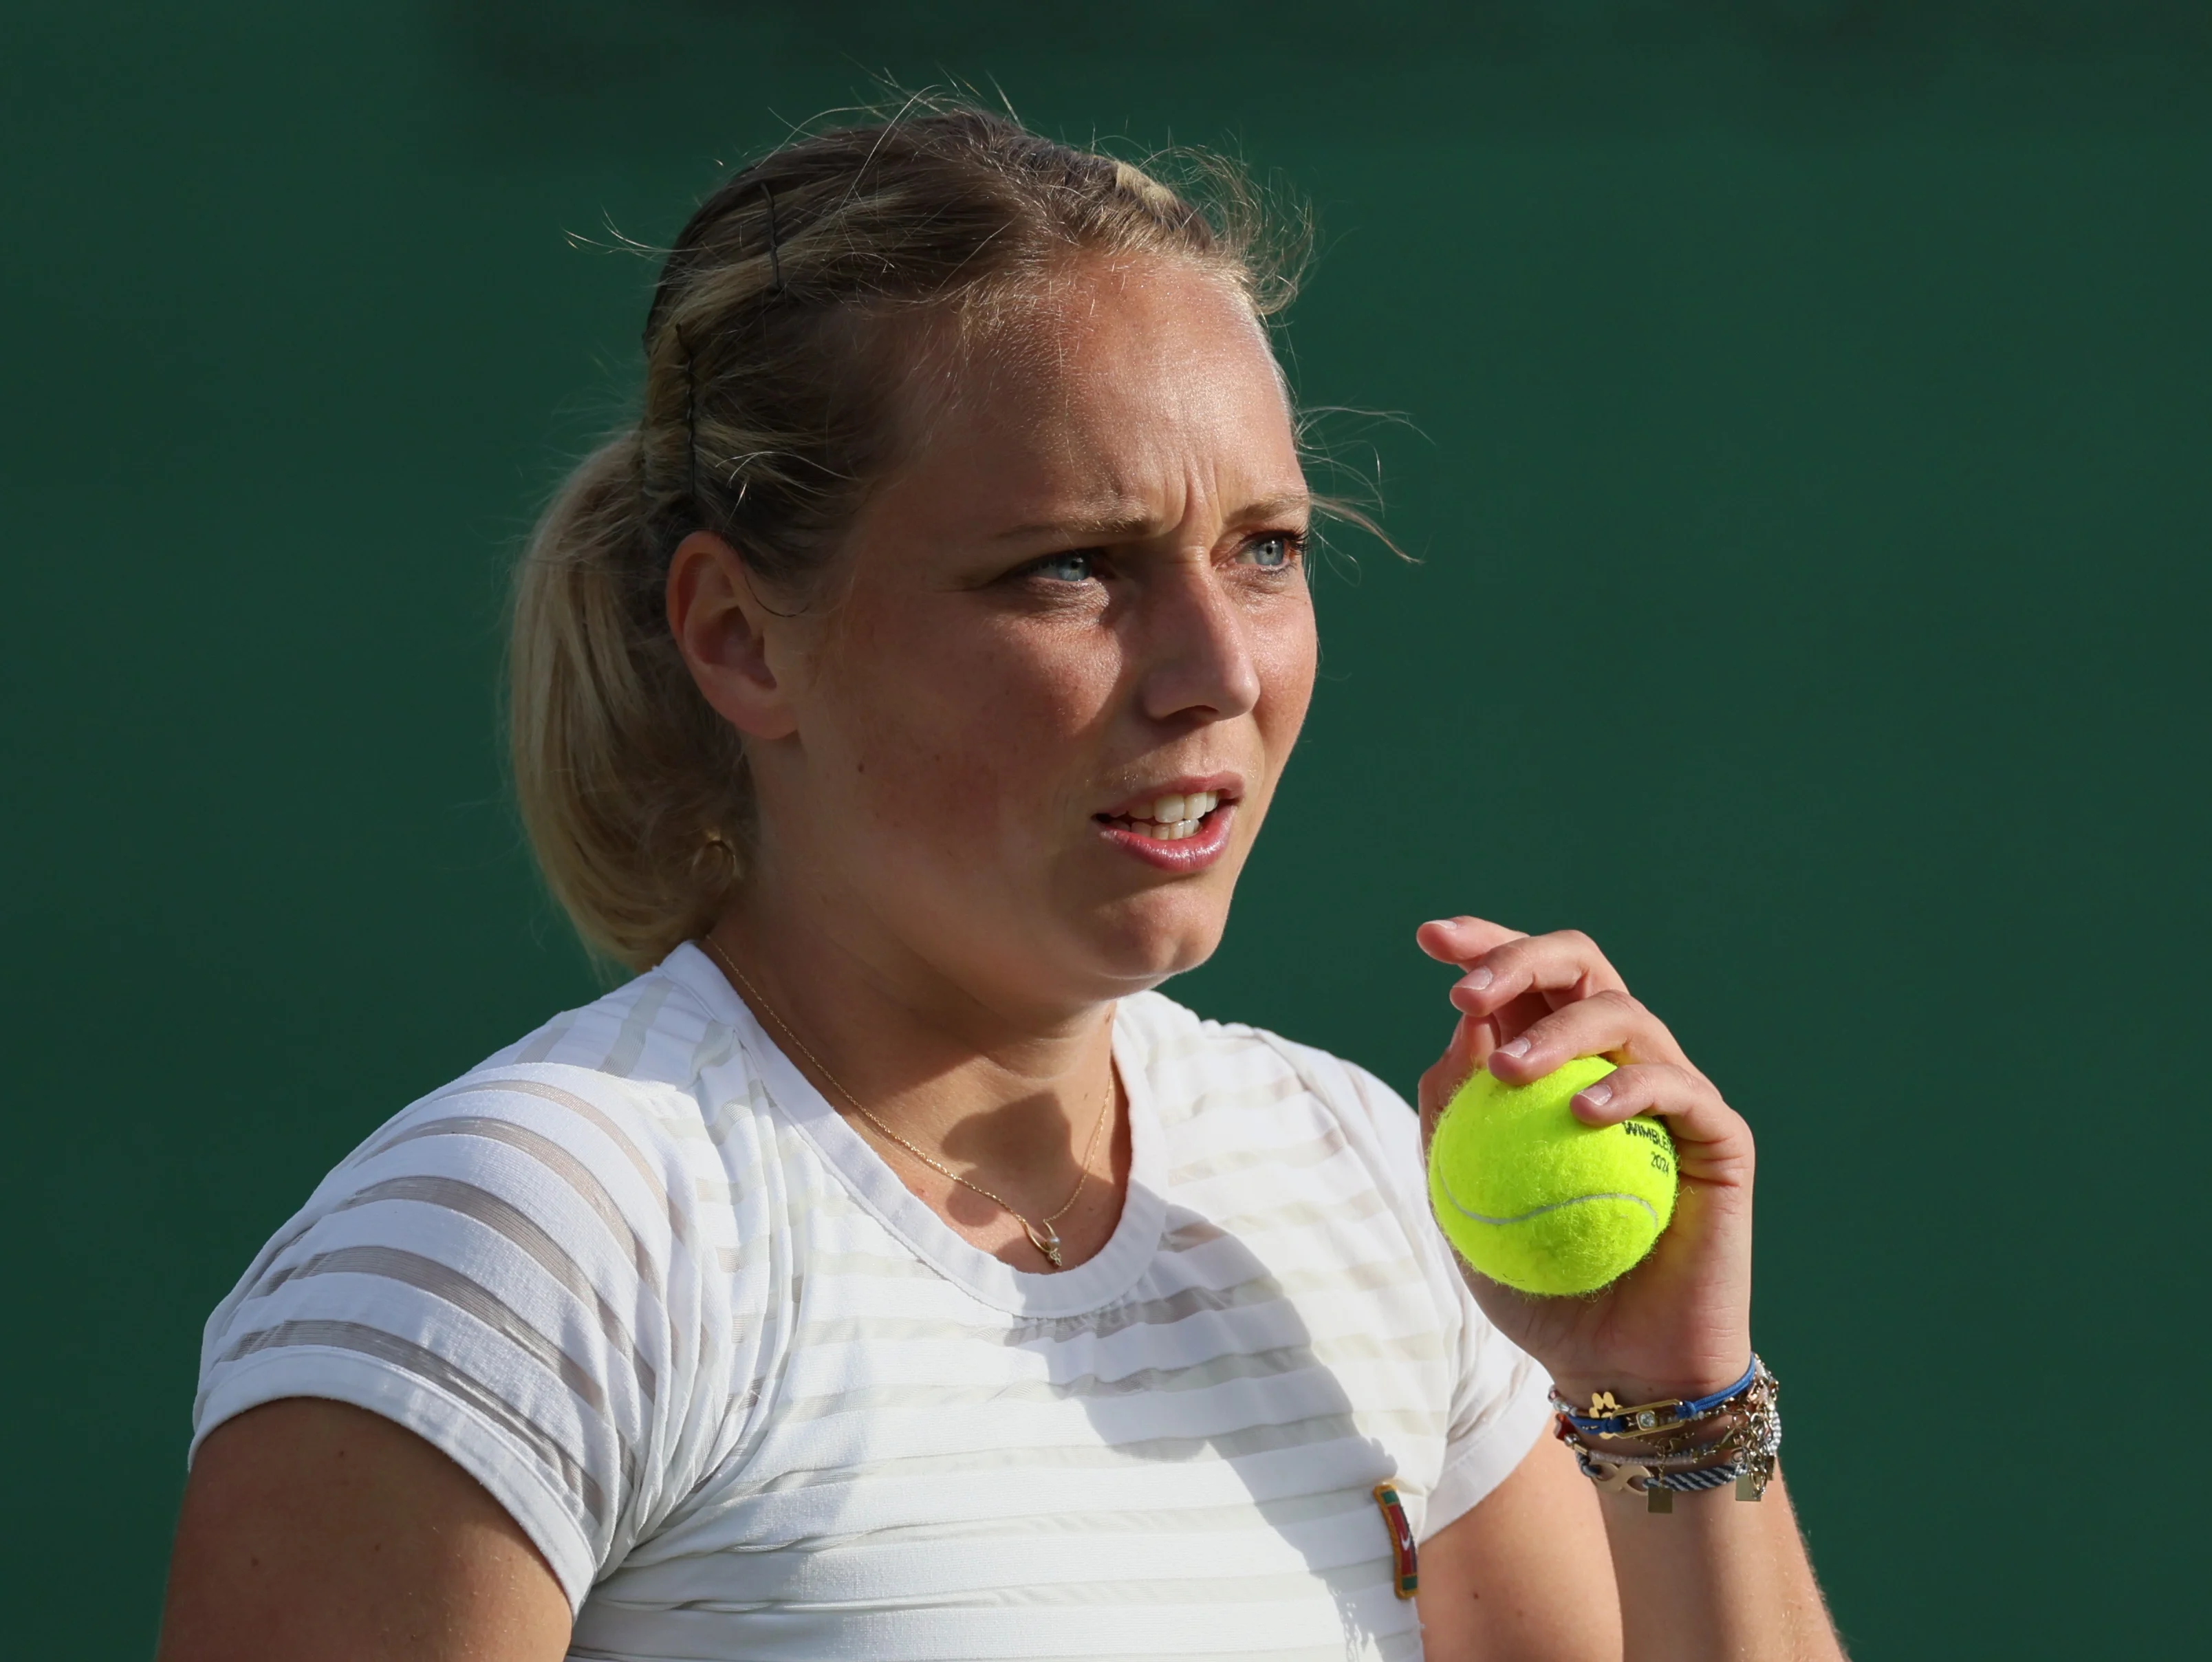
{"x": 1110, "y": 377}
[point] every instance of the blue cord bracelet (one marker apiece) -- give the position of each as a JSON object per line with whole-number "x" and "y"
{"x": 1657, "y": 1416}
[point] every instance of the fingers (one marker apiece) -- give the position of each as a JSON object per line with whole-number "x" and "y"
{"x": 1641, "y": 1087}
{"x": 1462, "y": 940}
{"x": 1558, "y": 967}
{"x": 1530, "y": 1004}
{"x": 1711, "y": 1137}
{"x": 1608, "y": 1023}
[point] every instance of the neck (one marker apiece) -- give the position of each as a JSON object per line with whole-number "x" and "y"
{"x": 974, "y": 1079}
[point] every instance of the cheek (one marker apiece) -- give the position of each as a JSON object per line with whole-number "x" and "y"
{"x": 967, "y": 732}
{"x": 1286, "y": 654}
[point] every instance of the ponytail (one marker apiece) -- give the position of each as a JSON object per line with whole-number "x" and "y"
{"x": 633, "y": 791}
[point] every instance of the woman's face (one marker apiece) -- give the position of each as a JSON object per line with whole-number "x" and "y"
{"x": 1041, "y": 705}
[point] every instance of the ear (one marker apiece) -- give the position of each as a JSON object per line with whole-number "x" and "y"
{"x": 731, "y": 642}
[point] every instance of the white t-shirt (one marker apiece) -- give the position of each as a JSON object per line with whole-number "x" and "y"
{"x": 751, "y": 1397}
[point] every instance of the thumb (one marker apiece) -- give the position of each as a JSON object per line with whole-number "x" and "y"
{"x": 1472, "y": 1041}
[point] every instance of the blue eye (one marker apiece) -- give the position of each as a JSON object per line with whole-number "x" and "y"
{"x": 1274, "y": 552}
{"x": 1073, "y": 567}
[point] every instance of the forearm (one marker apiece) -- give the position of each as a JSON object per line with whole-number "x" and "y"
{"x": 1711, "y": 1576}
{"x": 1716, "y": 1577}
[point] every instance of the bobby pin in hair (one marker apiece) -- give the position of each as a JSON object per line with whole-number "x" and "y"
{"x": 774, "y": 258}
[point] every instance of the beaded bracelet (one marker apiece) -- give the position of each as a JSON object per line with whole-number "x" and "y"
{"x": 1746, "y": 1416}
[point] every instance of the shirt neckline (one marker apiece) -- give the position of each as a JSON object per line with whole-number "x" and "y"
{"x": 1092, "y": 1285}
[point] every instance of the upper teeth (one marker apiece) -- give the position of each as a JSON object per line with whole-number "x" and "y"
{"x": 1172, "y": 819}
{"x": 1168, "y": 810}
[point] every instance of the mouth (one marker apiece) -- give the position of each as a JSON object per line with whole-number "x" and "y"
{"x": 1175, "y": 817}
{"x": 1182, "y": 828}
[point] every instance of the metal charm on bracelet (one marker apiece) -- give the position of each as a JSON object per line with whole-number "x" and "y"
{"x": 1607, "y": 1418}
{"x": 1747, "y": 1418}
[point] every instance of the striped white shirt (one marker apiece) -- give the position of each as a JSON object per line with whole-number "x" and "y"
{"x": 751, "y": 1397}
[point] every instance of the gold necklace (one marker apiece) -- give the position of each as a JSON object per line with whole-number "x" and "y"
{"x": 1042, "y": 1236}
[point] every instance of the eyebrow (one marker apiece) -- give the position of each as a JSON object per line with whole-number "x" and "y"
{"x": 1121, "y": 521}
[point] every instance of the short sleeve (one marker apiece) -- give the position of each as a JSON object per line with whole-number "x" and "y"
{"x": 1500, "y": 1394}
{"x": 519, "y": 1270}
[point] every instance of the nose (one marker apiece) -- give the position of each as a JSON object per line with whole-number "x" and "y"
{"x": 1196, "y": 649}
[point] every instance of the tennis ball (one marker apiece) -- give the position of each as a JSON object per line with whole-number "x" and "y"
{"x": 1532, "y": 1198}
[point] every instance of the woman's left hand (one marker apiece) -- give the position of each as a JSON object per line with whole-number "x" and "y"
{"x": 1679, "y": 1324}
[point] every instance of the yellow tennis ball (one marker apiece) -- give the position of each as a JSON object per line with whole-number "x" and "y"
{"x": 1532, "y": 1198}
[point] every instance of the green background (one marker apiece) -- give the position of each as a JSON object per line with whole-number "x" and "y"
{"x": 1806, "y": 418}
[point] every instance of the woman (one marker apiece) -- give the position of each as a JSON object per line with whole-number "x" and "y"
{"x": 886, "y": 1270}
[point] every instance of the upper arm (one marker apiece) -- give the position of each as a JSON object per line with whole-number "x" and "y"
{"x": 313, "y": 1529}
{"x": 519, "y": 1275}
{"x": 1525, "y": 1575}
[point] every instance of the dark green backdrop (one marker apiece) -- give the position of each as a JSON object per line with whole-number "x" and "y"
{"x": 1807, "y": 468}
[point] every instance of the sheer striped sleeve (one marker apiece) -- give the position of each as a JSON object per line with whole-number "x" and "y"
{"x": 520, "y": 1270}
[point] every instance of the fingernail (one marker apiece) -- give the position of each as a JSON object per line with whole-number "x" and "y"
{"x": 1598, "y": 1095}
{"x": 1519, "y": 1047}
{"x": 1475, "y": 980}
{"x": 1438, "y": 923}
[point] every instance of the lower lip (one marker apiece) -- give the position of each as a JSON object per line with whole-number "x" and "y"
{"x": 1194, "y": 853}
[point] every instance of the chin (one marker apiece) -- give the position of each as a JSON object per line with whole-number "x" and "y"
{"x": 1141, "y": 944}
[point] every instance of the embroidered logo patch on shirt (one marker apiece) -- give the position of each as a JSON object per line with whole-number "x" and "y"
{"x": 1405, "y": 1557}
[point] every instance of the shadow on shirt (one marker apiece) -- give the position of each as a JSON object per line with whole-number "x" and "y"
{"x": 1273, "y": 1411}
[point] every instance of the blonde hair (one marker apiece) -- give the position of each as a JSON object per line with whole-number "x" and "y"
{"x": 772, "y": 350}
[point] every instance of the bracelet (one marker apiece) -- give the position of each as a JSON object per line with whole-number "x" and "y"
{"x": 1607, "y": 1418}
{"x": 1659, "y": 1488}
{"x": 1687, "y": 1444}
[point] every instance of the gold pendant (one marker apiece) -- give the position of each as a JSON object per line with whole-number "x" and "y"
{"x": 1045, "y": 1238}
{"x": 1611, "y": 1479}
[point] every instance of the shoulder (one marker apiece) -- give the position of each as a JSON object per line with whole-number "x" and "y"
{"x": 1229, "y": 1081}
{"x": 583, "y": 1162}
{"x": 537, "y": 1267}
{"x": 1201, "y": 1060}
{"x": 582, "y": 1151}
{"x": 604, "y": 1100}
{"x": 656, "y": 1033}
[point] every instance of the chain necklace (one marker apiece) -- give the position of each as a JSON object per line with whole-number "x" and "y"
{"x": 1042, "y": 1234}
